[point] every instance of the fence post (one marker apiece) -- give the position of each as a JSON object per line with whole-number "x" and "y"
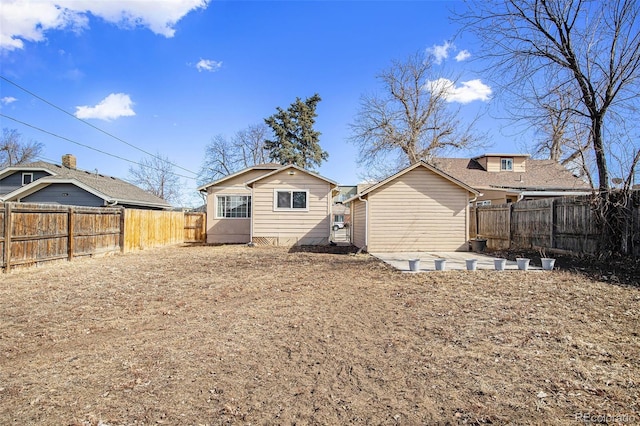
{"x": 552, "y": 233}
{"x": 122, "y": 225}
{"x": 70, "y": 231}
{"x": 511, "y": 225}
{"x": 7, "y": 237}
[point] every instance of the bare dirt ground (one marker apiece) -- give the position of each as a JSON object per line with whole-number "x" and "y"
{"x": 239, "y": 335}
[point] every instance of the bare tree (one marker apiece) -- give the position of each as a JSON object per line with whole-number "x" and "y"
{"x": 411, "y": 119}
{"x": 15, "y": 150}
{"x": 225, "y": 156}
{"x": 592, "y": 49}
{"x": 157, "y": 176}
{"x": 560, "y": 134}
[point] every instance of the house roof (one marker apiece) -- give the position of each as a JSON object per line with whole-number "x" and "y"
{"x": 264, "y": 166}
{"x": 538, "y": 175}
{"x": 420, "y": 163}
{"x": 109, "y": 188}
{"x": 288, "y": 167}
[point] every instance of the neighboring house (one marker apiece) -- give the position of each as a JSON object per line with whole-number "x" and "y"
{"x": 506, "y": 178}
{"x": 420, "y": 208}
{"x": 43, "y": 182}
{"x": 270, "y": 204}
{"x": 341, "y": 209}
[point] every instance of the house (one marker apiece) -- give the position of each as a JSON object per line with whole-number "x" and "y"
{"x": 420, "y": 208}
{"x": 43, "y": 182}
{"x": 270, "y": 204}
{"x": 341, "y": 210}
{"x": 506, "y": 178}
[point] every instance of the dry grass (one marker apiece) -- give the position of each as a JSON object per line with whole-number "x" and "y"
{"x": 238, "y": 335}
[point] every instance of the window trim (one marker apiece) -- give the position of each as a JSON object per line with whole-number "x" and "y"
{"x": 25, "y": 174}
{"x": 290, "y": 209}
{"x": 506, "y": 161}
{"x": 217, "y": 203}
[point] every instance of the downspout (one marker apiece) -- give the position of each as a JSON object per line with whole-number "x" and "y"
{"x": 366, "y": 222}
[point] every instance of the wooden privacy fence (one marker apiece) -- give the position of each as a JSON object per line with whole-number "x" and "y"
{"x": 35, "y": 233}
{"x": 561, "y": 224}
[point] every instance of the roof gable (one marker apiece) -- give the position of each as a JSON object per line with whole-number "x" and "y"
{"x": 268, "y": 167}
{"x": 291, "y": 167}
{"x": 420, "y": 163}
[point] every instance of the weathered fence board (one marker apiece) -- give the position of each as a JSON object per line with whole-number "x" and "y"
{"x": 494, "y": 224}
{"x": 35, "y": 233}
{"x": 563, "y": 224}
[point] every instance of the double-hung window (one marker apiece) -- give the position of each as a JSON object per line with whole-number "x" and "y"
{"x": 290, "y": 200}
{"x": 233, "y": 206}
{"x": 506, "y": 164}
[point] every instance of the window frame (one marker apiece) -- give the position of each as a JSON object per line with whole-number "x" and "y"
{"x": 25, "y": 174}
{"x": 504, "y": 162}
{"x": 483, "y": 203}
{"x": 217, "y": 206}
{"x": 291, "y": 208}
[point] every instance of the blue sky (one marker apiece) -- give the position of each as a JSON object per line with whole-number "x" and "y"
{"x": 167, "y": 76}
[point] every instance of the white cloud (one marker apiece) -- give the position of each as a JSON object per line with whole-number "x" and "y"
{"x": 463, "y": 55}
{"x": 7, "y": 100}
{"x": 467, "y": 91}
{"x": 30, "y": 19}
{"x": 113, "y": 106}
{"x": 208, "y": 65}
{"x": 440, "y": 53}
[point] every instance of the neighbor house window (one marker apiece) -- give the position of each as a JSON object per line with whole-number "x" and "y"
{"x": 233, "y": 206}
{"x": 506, "y": 164}
{"x": 483, "y": 203}
{"x": 290, "y": 200}
{"x": 27, "y": 178}
{"x": 338, "y": 218}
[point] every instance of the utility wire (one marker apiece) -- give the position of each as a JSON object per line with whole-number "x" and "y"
{"x": 92, "y": 148}
{"x": 91, "y": 125}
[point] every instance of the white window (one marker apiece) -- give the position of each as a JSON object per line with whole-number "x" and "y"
{"x": 27, "y": 178}
{"x": 233, "y": 206}
{"x": 483, "y": 203}
{"x": 290, "y": 200}
{"x": 506, "y": 164}
{"x": 338, "y": 218}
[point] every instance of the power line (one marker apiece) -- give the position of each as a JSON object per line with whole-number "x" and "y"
{"x": 92, "y": 148}
{"x": 91, "y": 125}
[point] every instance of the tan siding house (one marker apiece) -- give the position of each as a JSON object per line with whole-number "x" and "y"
{"x": 417, "y": 209}
{"x": 225, "y": 230}
{"x": 358, "y": 224}
{"x": 270, "y": 205}
{"x": 509, "y": 178}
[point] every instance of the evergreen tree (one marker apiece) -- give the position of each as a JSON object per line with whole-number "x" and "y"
{"x": 295, "y": 140}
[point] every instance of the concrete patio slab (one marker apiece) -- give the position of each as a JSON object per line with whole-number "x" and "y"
{"x": 455, "y": 261}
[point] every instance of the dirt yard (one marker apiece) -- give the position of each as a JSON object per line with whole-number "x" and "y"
{"x": 239, "y": 335}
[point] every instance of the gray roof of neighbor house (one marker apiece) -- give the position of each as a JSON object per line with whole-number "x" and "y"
{"x": 538, "y": 174}
{"x": 110, "y": 188}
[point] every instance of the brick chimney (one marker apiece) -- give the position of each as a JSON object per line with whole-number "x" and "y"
{"x": 69, "y": 161}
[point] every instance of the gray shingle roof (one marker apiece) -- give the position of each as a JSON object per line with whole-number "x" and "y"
{"x": 114, "y": 188}
{"x": 539, "y": 174}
